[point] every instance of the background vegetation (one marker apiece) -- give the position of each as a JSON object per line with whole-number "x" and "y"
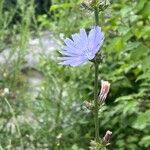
{"x": 56, "y": 118}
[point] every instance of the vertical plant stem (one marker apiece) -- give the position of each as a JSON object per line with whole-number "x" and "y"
{"x": 96, "y": 13}
{"x": 96, "y": 103}
{"x": 17, "y": 125}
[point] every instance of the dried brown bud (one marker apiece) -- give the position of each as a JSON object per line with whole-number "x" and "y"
{"x": 107, "y": 137}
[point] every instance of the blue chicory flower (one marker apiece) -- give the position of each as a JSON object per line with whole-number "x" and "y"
{"x": 82, "y": 47}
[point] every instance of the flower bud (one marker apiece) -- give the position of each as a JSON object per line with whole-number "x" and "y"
{"x": 105, "y": 86}
{"x": 107, "y": 137}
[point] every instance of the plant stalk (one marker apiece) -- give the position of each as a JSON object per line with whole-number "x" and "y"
{"x": 96, "y": 103}
{"x": 96, "y": 13}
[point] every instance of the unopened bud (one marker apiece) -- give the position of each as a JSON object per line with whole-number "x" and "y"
{"x": 105, "y": 86}
{"x": 107, "y": 137}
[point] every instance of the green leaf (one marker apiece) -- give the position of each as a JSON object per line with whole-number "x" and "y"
{"x": 75, "y": 147}
{"x": 138, "y": 52}
{"x": 140, "y": 5}
{"x": 146, "y": 31}
{"x": 125, "y": 10}
{"x": 61, "y": 6}
{"x": 142, "y": 121}
{"x": 145, "y": 75}
{"x": 146, "y": 63}
{"x": 145, "y": 141}
{"x": 130, "y": 107}
{"x": 117, "y": 44}
{"x": 146, "y": 10}
{"x": 132, "y": 45}
{"x": 123, "y": 30}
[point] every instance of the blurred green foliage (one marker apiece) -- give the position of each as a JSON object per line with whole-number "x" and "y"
{"x": 56, "y": 118}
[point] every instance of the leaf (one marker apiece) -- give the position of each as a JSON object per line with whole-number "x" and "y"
{"x": 125, "y": 10}
{"x": 145, "y": 75}
{"x": 124, "y": 98}
{"x": 75, "y": 147}
{"x": 132, "y": 45}
{"x": 146, "y": 31}
{"x": 130, "y": 107}
{"x": 140, "y": 5}
{"x": 138, "y": 52}
{"x": 128, "y": 35}
{"x": 142, "y": 121}
{"x": 123, "y": 30}
{"x": 146, "y": 63}
{"x": 145, "y": 141}
{"x": 61, "y": 6}
{"x": 116, "y": 44}
{"x": 146, "y": 10}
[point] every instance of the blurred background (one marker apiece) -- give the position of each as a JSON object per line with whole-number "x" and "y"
{"x": 41, "y": 102}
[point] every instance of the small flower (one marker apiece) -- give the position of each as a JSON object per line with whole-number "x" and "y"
{"x": 107, "y": 137}
{"x": 105, "y": 86}
{"x": 82, "y": 47}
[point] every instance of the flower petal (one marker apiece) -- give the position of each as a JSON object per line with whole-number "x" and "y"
{"x": 95, "y": 39}
{"x": 68, "y": 53}
{"x": 76, "y": 38}
{"x": 73, "y": 61}
{"x": 72, "y": 50}
{"x": 81, "y": 40}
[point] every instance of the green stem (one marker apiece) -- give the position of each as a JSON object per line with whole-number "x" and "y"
{"x": 96, "y": 13}
{"x": 96, "y": 103}
{"x": 17, "y": 125}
